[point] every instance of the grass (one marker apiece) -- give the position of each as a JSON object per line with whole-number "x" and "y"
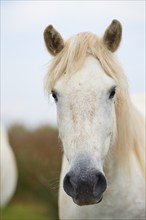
{"x": 38, "y": 158}
{"x": 26, "y": 211}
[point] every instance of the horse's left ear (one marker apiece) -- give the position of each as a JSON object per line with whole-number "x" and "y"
{"x": 53, "y": 40}
{"x": 112, "y": 36}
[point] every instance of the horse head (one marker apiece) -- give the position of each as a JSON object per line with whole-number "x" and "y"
{"x": 85, "y": 96}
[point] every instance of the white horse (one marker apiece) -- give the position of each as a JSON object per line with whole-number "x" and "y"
{"x": 8, "y": 170}
{"x": 101, "y": 130}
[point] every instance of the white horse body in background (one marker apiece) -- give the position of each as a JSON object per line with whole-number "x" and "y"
{"x": 8, "y": 170}
{"x": 139, "y": 101}
{"x": 102, "y": 132}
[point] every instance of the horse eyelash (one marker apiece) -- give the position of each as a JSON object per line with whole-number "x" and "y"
{"x": 112, "y": 92}
{"x": 54, "y": 95}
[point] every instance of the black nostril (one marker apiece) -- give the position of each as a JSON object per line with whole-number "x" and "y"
{"x": 69, "y": 186}
{"x": 83, "y": 188}
{"x": 100, "y": 184}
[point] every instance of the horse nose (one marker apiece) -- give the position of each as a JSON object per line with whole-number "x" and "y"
{"x": 85, "y": 188}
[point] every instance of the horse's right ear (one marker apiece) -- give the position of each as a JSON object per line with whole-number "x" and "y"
{"x": 53, "y": 40}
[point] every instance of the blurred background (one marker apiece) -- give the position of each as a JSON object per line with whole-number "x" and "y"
{"x": 27, "y": 113}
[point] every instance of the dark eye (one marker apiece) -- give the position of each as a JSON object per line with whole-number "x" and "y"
{"x": 54, "y": 95}
{"x": 112, "y": 92}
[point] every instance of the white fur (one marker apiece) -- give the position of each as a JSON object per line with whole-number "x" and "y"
{"x": 87, "y": 127}
{"x": 8, "y": 170}
{"x": 84, "y": 109}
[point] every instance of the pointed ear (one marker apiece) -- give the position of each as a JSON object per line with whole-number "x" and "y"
{"x": 112, "y": 36}
{"x": 53, "y": 40}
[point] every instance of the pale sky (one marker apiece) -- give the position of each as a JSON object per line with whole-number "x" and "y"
{"x": 24, "y": 57}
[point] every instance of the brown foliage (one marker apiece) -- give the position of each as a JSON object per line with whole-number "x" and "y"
{"x": 38, "y": 154}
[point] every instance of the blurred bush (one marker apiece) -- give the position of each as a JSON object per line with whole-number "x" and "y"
{"x": 38, "y": 153}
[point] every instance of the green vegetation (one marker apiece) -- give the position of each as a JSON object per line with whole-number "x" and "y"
{"x": 24, "y": 211}
{"x": 38, "y": 154}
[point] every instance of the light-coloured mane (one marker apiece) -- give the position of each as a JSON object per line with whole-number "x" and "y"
{"x": 130, "y": 125}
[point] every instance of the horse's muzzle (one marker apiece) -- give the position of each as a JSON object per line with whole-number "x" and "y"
{"x": 86, "y": 187}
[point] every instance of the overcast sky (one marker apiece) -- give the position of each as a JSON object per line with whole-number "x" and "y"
{"x": 24, "y": 57}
